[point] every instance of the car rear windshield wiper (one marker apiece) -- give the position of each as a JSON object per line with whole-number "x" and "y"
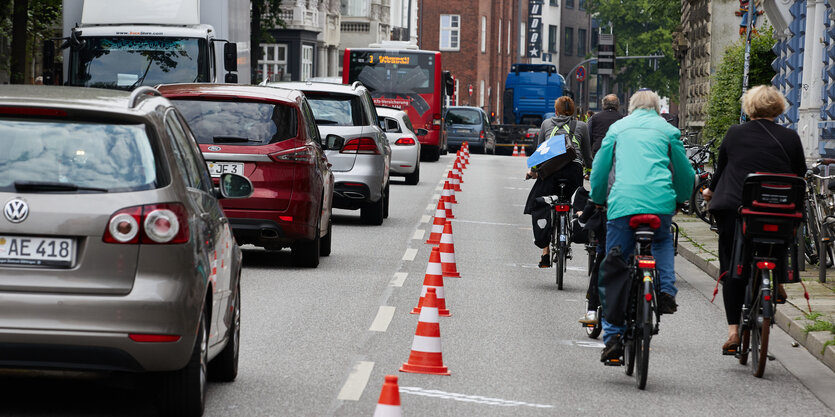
{"x": 233, "y": 139}
{"x": 48, "y": 186}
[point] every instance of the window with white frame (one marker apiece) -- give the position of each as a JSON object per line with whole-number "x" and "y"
{"x": 508, "y": 37}
{"x": 500, "y": 38}
{"x": 522, "y": 40}
{"x": 307, "y": 62}
{"x": 450, "y": 31}
{"x": 273, "y": 63}
{"x": 481, "y": 94}
{"x": 354, "y": 8}
{"x": 483, "y": 33}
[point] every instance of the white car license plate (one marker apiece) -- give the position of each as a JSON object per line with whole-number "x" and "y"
{"x": 217, "y": 168}
{"x": 36, "y": 251}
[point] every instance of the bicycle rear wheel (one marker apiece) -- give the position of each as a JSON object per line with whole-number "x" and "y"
{"x": 629, "y": 351}
{"x": 759, "y": 346}
{"x": 642, "y": 339}
{"x": 559, "y": 264}
{"x": 698, "y": 205}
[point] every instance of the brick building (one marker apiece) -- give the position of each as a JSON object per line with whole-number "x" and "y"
{"x": 478, "y": 40}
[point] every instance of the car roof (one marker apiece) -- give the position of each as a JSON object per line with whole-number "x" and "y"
{"x": 464, "y": 108}
{"x": 81, "y": 98}
{"x": 320, "y": 87}
{"x": 230, "y": 90}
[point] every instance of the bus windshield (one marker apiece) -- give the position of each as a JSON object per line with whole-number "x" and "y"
{"x": 395, "y": 78}
{"x": 128, "y": 62}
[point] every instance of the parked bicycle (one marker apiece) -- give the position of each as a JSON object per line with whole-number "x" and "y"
{"x": 642, "y": 313}
{"x": 819, "y": 225}
{"x": 769, "y": 218}
{"x": 560, "y": 242}
{"x": 699, "y": 157}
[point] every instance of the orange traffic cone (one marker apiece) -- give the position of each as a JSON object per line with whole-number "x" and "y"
{"x": 447, "y": 207}
{"x": 447, "y": 250}
{"x": 515, "y": 150}
{"x": 523, "y": 153}
{"x": 426, "y": 356}
{"x": 437, "y": 224}
{"x": 453, "y": 181}
{"x": 458, "y": 170}
{"x": 389, "y": 403}
{"x": 433, "y": 279}
{"x": 448, "y": 192}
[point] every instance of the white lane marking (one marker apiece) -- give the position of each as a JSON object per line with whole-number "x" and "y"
{"x": 583, "y": 343}
{"x": 478, "y": 399}
{"x": 425, "y": 219}
{"x": 356, "y": 382}
{"x": 398, "y": 279}
{"x": 431, "y": 207}
{"x": 489, "y": 223}
{"x": 436, "y": 196}
{"x": 517, "y": 188}
{"x": 410, "y": 254}
{"x": 576, "y": 268}
{"x": 419, "y": 233}
{"x": 382, "y": 320}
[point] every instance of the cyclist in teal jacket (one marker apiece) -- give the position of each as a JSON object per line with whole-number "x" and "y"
{"x": 641, "y": 168}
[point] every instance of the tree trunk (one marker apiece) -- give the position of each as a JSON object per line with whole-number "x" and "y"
{"x": 19, "y": 20}
{"x": 255, "y": 50}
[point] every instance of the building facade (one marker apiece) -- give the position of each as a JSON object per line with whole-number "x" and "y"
{"x": 478, "y": 41}
{"x": 550, "y": 33}
{"x": 404, "y": 20}
{"x": 575, "y": 47}
{"x": 364, "y": 22}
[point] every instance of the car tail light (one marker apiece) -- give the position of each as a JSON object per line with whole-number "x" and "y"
{"x": 530, "y": 135}
{"x": 481, "y": 135}
{"x": 436, "y": 121}
{"x": 405, "y": 141}
{"x": 562, "y": 207}
{"x": 154, "y": 338}
{"x": 285, "y": 218}
{"x": 301, "y": 155}
{"x": 361, "y": 145}
{"x": 160, "y": 224}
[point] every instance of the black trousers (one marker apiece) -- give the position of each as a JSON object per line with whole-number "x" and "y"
{"x": 733, "y": 290}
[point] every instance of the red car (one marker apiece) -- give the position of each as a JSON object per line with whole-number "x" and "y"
{"x": 268, "y": 135}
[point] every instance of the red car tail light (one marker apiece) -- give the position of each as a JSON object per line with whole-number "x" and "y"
{"x": 161, "y": 224}
{"x": 300, "y": 155}
{"x": 361, "y": 145}
{"x": 530, "y": 135}
{"x": 154, "y": 338}
{"x": 481, "y": 135}
{"x": 436, "y": 121}
{"x": 405, "y": 141}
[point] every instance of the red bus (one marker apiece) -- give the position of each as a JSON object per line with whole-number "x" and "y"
{"x": 407, "y": 79}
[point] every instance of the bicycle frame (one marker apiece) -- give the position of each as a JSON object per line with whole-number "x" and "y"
{"x": 561, "y": 231}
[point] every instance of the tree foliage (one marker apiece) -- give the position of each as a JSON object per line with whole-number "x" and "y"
{"x": 723, "y": 107}
{"x": 38, "y": 20}
{"x": 265, "y": 15}
{"x": 644, "y": 27}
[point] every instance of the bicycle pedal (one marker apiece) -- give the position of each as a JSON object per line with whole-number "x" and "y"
{"x": 613, "y": 362}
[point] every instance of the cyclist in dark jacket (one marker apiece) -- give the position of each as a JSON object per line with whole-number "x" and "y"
{"x": 600, "y": 122}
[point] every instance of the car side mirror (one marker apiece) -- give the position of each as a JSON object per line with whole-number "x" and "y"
{"x": 382, "y": 124}
{"x": 234, "y": 186}
{"x": 230, "y": 56}
{"x": 421, "y": 132}
{"x": 334, "y": 142}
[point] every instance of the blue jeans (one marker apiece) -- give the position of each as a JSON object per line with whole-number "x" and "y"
{"x": 618, "y": 233}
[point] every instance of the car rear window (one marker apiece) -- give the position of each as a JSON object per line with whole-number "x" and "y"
{"x": 336, "y": 110}
{"x": 239, "y": 122}
{"x": 464, "y": 117}
{"x": 107, "y": 157}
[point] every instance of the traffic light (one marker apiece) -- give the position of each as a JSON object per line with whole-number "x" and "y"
{"x": 606, "y": 55}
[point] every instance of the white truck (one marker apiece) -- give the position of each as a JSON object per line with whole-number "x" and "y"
{"x": 124, "y": 44}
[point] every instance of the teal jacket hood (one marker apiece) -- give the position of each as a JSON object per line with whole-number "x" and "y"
{"x": 641, "y": 167}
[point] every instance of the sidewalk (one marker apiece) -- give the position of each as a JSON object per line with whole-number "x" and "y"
{"x": 698, "y": 244}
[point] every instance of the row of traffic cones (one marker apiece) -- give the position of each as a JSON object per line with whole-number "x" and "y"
{"x": 426, "y": 355}
{"x": 516, "y": 151}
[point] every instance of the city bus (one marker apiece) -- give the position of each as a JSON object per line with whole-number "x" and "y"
{"x": 406, "y": 79}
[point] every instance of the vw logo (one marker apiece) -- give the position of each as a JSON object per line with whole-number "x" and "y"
{"x": 214, "y": 148}
{"x": 16, "y": 210}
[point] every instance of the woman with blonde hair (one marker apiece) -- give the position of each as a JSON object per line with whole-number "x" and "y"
{"x": 758, "y": 145}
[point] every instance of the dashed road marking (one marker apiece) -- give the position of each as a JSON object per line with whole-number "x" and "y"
{"x": 517, "y": 188}
{"x": 419, "y": 233}
{"x": 576, "y": 268}
{"x": 425, "y": 218}
{"x": 488, "y": 223}
{"x": 410, "y": 254}
{"x": 356, "y": 382}
{"x": 431, "y": 207}
{"x": 436, "y": 196}
{"x": 381, "y": 322}
{"x": 478, "y": 399}
{"x": 398, "y": 279}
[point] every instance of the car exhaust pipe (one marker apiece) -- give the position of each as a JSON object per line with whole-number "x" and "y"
{"x": 353, "y": 195}
{"x": 269, "y": 234}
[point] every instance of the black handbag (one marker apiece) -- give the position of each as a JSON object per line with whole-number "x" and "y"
{"x": 615, "y": 287}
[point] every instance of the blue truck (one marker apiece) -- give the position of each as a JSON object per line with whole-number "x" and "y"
{"x": 530, "y": 92}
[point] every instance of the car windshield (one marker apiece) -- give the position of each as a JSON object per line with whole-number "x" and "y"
{"x": 128, "y": 62}
{"x": 463, "y": 117}
{"x": 239, "y": 122}
{"x": 332, "y": 110}
{"x": 109, "y": 157}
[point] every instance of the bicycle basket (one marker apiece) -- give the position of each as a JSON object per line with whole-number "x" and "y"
{"x": 772, "y": 207}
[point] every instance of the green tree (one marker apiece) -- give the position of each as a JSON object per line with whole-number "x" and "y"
{"x": 29, "y": 22}
{"x": 723, "y": 106}
{"x": 264, "y": 16}
{"x": 643, "y": 27}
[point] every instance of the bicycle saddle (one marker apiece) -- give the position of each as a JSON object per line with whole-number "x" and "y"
{"x": 651, "y": 220}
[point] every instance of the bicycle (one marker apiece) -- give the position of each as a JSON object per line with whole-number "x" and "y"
{"x": 701, "y": 156}
{"x": 560, "y": 242}
{"x": 818, "y": 214}
{"x": 642, "y": 314}
{"x": 766, "y": 230}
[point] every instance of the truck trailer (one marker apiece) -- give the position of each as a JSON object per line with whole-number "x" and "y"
{"x": 123, "y": 44}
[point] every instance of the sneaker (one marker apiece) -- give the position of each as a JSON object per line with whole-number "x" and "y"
{"x": 781, "y": 295}
{"x": 589, "y": 318}
{"x": 613, "y": 349}
{"x": 667, "y": 303}
{"x": 545, "y": 261}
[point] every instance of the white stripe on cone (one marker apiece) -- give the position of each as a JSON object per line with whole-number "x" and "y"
{"x": 439, "y": 291}
{"x": 384, "y": 410}
{"x": 427, "y": 344}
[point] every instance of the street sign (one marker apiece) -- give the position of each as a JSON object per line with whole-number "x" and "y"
{"x": 581, "y": 73}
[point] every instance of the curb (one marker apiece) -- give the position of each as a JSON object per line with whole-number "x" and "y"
{"x": 788, "y": 321}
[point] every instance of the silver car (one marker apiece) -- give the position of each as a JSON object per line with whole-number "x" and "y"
{"x": 357, "y": 147}
{"x": 114, "y": 252}
{"x": 405, "y": 147}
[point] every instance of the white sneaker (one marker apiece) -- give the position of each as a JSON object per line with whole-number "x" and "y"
{"x": 589, "y": 318}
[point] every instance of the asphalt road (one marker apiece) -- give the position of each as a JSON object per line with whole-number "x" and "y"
{"x": 319, "y": 342}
